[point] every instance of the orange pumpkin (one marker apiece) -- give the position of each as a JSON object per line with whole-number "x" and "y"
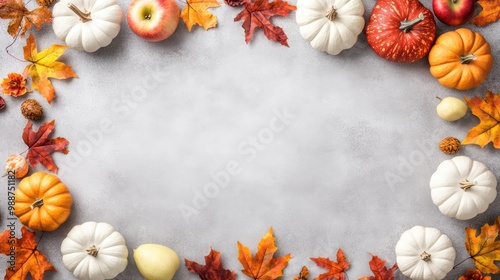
{"x": 42, "y": 202}
{"x": 461, "y": 59}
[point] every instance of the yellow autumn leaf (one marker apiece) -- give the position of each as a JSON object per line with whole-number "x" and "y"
{"x": 488, "y": 112}
{"x": 195, "y": 13}
{"x": 44, "y": 65}
{"x": 484, "y": 248}
{"x": 490, "y": 12}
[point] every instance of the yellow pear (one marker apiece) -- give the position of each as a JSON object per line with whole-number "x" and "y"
{"x": 451, "y": 109}
{"x": 156, "y": 262}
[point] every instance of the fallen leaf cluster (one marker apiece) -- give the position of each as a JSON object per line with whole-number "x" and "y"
{"x": 255, "y": 14}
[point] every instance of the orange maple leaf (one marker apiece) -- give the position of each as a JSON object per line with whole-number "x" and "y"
{"x": 336, "y": 270}
{"x": 212, "y": 270}
{"x": 380, "y": 272}
{"x": 44, "y": 66}
{"x": 21, "y": 18}
{"x": 257, "y": 14}
{"x": 303, "y": 275}
{"x": 195, "y": 12}
{"x": 27, "y": 258}
{"x": 40, "y": 146}
{"x": 484, "y": 248}
{"x": 263, "y": 266}
{"x": 489, "y": 14}
{"x": 488, "y": 112}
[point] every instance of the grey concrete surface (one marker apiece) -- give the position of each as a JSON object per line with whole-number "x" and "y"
{"x": 202, "y": 140}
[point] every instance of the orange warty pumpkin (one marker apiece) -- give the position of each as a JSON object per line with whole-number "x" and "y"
{"x": 42, "y": 202}
{"x": 461, "y": 59}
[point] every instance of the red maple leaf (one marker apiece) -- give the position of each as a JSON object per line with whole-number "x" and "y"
{"x": 380, "y": 272}
{"x": 212, "y": 270}
{"x": 257, "y": 14}
{"x": 40, "y": 147}
{"x": 336, "y": 270}
{"x": 27, "y": 257}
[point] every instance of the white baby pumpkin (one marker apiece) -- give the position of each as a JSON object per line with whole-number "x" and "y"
{"x": 424, "y": 253}
{"x": 94, "y": 251}
{"x": 87, "y": 24}
{"x": 330, "y": 25}
{"x": 463, "y": 188}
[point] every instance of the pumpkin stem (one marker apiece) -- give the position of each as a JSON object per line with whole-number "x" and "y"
{"x": 38, "y": 203}
{"x": 466, "y": 59}
{"x": 84, "y": 15}
{"x": 466, "y": 184}
{"x": 407, "y": 25}
{"x": 331, "y": 14}
{"x": 425, "y": 256}
{"x": 92, "y": 251}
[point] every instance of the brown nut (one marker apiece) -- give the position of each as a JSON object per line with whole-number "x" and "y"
{"x": 450, "y": 145}
{"x": 31, "y": 109}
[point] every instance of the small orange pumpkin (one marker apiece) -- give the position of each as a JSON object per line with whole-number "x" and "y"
{"x": 461, "y": 59}
{"x": 42, "y": 202}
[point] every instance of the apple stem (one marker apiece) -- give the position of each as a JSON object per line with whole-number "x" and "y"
{"x": 440, "y": 99}
{"x": 407, "y": 25}
{"x": 466, "y": 59}
{"x": 331, "y": 14}
{"x": 84, "y": 15}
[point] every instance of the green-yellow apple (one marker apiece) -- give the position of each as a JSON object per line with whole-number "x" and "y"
{"x": 453, "y": 12}
{"x": 153, "y": 20}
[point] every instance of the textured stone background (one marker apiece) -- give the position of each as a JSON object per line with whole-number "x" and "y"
{"x": 151, "y": 124}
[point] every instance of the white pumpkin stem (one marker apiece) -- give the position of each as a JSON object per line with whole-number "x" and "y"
{"x": 331, "y": 14}
{"x": 93, "y": 251}
{"x": 425, "y": 256}
{"x": 466, "y": 59}
{"x": 466, "y": 184}
{"x": 84, "y": 15}
{"x": 38, "y": 203}
{"x": 407, "y": 25}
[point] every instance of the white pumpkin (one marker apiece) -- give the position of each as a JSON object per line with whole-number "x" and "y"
{"x": 87, "y": 24}
{"x": 424, "y": 253}
{"x": 463, "y": 188}
{"x": 330, "y": 25}
{"x": 94, "y": 251}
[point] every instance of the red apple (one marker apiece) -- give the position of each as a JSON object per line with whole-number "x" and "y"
{"x": 453, "y": 12}
{"x": 153, "y": 20}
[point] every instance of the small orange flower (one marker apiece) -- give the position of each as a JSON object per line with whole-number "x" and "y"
{"x": 14, "y": 85}
{"x": 474, "y": 274}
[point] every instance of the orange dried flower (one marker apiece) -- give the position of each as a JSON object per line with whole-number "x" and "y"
{"x": 14, "y": 85}
{"x": 474, "y": 274}
{"x": 18, "y": 164}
